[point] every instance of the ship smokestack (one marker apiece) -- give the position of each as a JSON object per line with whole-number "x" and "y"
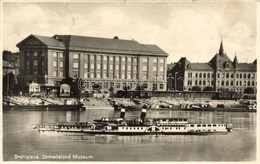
{"x": 122, "y": 114}
{"x": 143, "y": 114}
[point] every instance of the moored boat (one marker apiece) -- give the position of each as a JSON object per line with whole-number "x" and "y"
{"x": 136, "y": 126}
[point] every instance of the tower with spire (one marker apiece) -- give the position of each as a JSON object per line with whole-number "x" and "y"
{"x": 221, "y": 49}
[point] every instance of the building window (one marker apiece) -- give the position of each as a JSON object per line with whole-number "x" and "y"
{"x": 253, "y": 83}
{"x": 54, "y": 63}
{"x": 212, "y": 82}
{"x": 54, "y": 54}
{"x": 208, "y": 75}
{"x": 135, "y": 60}
{"x": 236, "y": 83}
{"x": 86, "y": 65}
{"x": 161, "y": 69}
{"x": 86, "y": 75}
{"x": 253, "y": 76}
{"x": 231, "y": 75}
{"x": 104, "y": 58}
{"x": 204, "y": 75}
{"x": 154, "y": 87}
{"x": 200, "y": 75}
{"x": 196, "y": 74}
{"x": 128, "y": 76}
{"x": 249, "y": 76}
{"x": 91, "y": 75}
{"x": 244, "y": 83}
{"x": 161, "y": 61}
{"x": 244, "y": 75}
{"x": 98, "y": 75}
{"x": 240, "y": 83}
{"x": 104, "y": 66}
{"x": 91, "y": 57}
{"x": 231, "y": 83}
{"x": 154, "y": 60}
{"x": 129, "y": 67}
{"x": 75, "y": 65}
{"x": 118, "y": 85}
{"x": 227, "y": 75}
{"x": 223, "y": 75}
{"x": 154, "y": 68}
{"x": 117, "y": 58}
{"x": 241, "y": 75}
{"x": 98, "y": 57}
{"x": 111, "y": 59}
{"x": 196, "y": 82}
{"x": 227, "y": 83}
{"x": 61, "y": 55}
{"x": 122, "y": 76}
{"x": 218, "y": 75}
{"x": 111, "y": 66}
{"x": 61, "y": 64}
{"x": 190, "y": 74}
{"x": 122, "y": 67}
{"x": 35, "y": 63}
{"x": 98, "y": 66}
{"x": 145, "y": 60}
{"x": 200, "y": 82}
{"x": 54, "y": 73}
{"x": 204, "y": 82}
{"x": 123, "y": 59}
{"x": 75, "y": 56}
{"x": 144, "y": 68}
{"x": 161, "y": 86}
{"x": 92, "y": 66}
{"x": 222, "y": 83}
{"x": 61, "y": 73}
{"x": 218, "y": 83}
{"x": 248, "y": 83}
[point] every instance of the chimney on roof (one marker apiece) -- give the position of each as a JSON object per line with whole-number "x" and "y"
{"x": 116, "y": 37}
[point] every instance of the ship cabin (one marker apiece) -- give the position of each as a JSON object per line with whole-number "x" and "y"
{"x": 169, "y": 121}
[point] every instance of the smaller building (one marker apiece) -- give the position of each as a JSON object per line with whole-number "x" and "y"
{"x": 219, "y": 74}
{"x": 11, "y": 62}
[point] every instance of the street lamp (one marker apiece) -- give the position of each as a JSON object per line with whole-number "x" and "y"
{"x": 175, "y": 80}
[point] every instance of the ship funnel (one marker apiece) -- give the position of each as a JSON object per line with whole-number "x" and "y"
{"x": 122, "y": 114}
{"x": 143, "y": 114}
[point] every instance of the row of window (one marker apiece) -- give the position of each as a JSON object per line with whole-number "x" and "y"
{"x": 222, "y": 75}
{"x": 104, "y": 66}
{"x": 207, "y": 125}
{"x": 238, "y": 83}
{"x": 105, "y": 58}
{"x": 161, "y": 68}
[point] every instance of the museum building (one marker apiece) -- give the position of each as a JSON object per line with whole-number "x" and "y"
{"x": 110, "y": 63}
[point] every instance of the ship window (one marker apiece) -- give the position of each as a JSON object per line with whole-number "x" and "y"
{"x": 214, "y": 125}
{"x": 133, "y": 127}
{"x": 198, "y": 125}
{"x": 191, "y": 125}
{"x": 209, "y": 125}
{"x": 126, "y": 128}
{"x": 184, "y": 119}
{"x": 141, "y": 128}
{"x": 204, "y": 125}
{"x": 164, "y": 119}
{"x": 180, "y": 119}
{"x": 138, "y": 128}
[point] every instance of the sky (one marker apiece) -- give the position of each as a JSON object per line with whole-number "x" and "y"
{"x": 191, "y": 29}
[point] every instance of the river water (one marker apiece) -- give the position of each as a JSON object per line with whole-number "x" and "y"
{"x": 21, "y": 142}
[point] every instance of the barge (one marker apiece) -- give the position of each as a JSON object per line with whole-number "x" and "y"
{"x": 136, "y": 126}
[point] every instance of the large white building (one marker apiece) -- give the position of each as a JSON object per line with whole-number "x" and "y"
{"x": 103, "y": 62}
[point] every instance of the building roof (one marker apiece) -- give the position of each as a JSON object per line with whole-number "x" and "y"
{"x": 108, "y": 45}
{"x": 247, "y": 67}
{"x": 170, "y": 66}
{"x": 201, "y": 66}
{"x": 50, "y": 41}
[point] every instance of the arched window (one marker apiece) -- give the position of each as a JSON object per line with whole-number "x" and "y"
{"x": 204, "y": 75}
{"x": 218, "y": 75}
{"x": 208, "y": 75}
{"x": 200, "y": 82}
{"x": 231, "y": 83}
{"x": 196, "y": 75}
{"x": 227, "y": 83}
{"x": 244, "y": 75}
{"x": 204, "y": 82}
{"x": 248, "y": 83}
{"x": 227, "y": 75}
{"x": 196, "y": 82}
{"x": 253, "y": 83}
{"x": 249, "y": 75}
{"x": 200, "y": 74}
{"x": 237, "y": 75}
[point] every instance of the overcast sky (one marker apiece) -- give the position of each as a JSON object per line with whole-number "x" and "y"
{"x": 191, "y": 30}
